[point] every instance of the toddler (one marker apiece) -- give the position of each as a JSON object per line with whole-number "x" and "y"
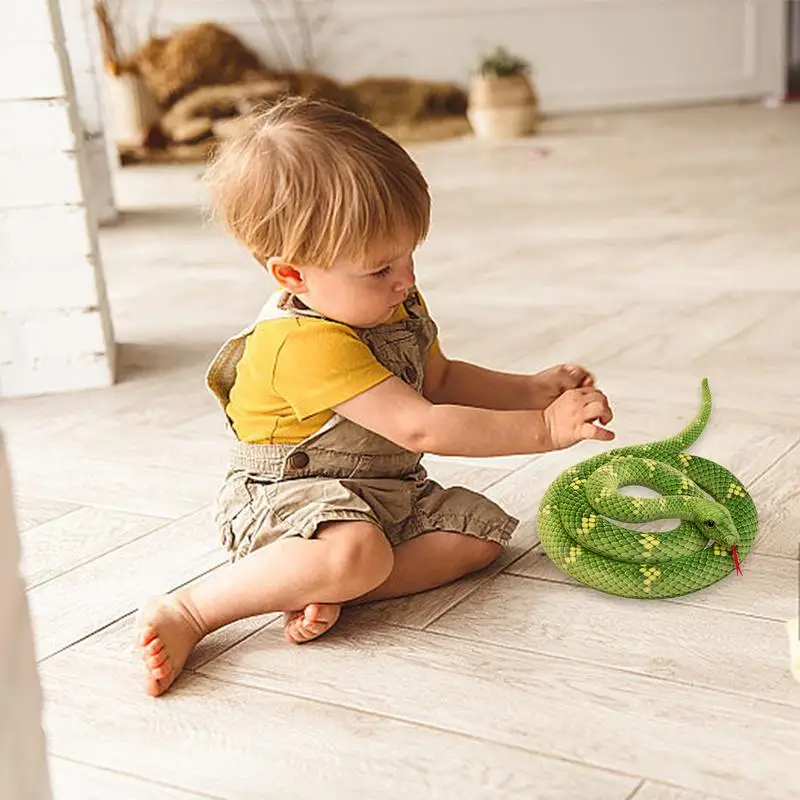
{"x": 336, "y": 391}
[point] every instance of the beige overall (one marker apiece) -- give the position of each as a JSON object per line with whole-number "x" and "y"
{"x": 343, "y": 471}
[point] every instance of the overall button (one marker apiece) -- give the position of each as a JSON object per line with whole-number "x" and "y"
{"x": 298, "y": 460}
{"x": 409, "y": 374}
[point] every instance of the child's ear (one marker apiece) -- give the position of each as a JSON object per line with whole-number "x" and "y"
{"x": 285, "y": 274}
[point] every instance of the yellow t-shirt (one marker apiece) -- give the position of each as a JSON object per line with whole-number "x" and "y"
{"x": 293, "y": 371}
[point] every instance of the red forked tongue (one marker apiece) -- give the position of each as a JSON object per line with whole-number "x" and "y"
{"x": 736, "y": 560}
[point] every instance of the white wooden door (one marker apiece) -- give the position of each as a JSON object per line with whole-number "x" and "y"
{"x": 587, "y": 54}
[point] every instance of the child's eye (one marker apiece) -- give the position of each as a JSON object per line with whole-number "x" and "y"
{"x": 382, "y": 273}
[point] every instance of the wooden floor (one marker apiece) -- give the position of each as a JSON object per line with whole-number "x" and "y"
{"x": 657, "y": 249}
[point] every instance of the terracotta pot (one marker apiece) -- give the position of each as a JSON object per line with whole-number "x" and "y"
{"x": 502, "y": 107}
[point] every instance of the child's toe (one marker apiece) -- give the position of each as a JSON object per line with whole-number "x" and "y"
{"x": 154, "y": 648}
{"x": 162, "y": 671}
{"x": 156, "y": 660}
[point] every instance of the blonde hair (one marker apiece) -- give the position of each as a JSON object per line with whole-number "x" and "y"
{"x": 309, "y": 183}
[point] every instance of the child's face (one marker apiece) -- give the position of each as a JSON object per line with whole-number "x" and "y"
{"x": 362, "y": 295}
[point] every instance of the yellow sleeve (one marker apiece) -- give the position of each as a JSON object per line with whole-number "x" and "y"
{"x": 322, "y": 364}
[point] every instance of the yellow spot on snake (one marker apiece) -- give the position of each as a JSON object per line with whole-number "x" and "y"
{"x": 684, "y": 458}
{"x": 574, "y": 553}
{"x": 720, "y": 551}
{"x": 662, "y": 503}
{"x": 604, "y": 492}
{"x": 685, "y": 484}
{"x": 734, "y": 489}
{"x": 649, "y": 541}
{"x": 589, "y": 523}
{"x": 577, "y": 483}
{"x": 650, "y": 574}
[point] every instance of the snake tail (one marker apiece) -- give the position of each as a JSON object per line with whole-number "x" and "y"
{"x": 683, "y": 440}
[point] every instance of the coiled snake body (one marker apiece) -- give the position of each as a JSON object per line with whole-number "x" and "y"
{"x": 717, "y": 529}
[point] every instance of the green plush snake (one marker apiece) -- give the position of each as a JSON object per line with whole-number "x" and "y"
{"x": 717, "y": 529}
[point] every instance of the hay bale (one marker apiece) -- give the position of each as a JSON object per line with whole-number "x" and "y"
{"x": 191, "y": 131}
{"x": 320, "y": 87}
{"x": 193, "y": 115}
{"x": 202, "y": 55}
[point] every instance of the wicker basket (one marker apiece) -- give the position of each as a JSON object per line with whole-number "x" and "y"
{"x": 502, "y": 107}
{"x": 133, "y": 111}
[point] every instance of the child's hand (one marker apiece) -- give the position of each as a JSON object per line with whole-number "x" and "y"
{"x": 569, "y": 418}
{"x": 551, "y": 383}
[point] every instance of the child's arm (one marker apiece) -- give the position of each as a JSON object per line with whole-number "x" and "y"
{"x": 460, "y": 383}
{"x": 399, "y": 413}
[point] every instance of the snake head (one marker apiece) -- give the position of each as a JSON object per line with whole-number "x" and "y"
{"x": 716, "y": 522}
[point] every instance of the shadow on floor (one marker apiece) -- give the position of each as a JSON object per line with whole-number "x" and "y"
{"x": 136, "y": 361}
{"x": 159, "y": 217}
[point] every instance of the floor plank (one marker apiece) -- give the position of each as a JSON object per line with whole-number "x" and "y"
{"x": 77, "y": 537}
{"x": 466, "y": 335}
{"x": 236, "y": 741}
{"x": 91, "y": 596}
{"x": 688, "y": 644}
{"x": 73, "y": 781}
{"x": 774, "y": 339}
{"x": 454, "y": 472}
{"x": 491, "y": 464}
{"x": 776, "y": 493}
{"x": 761, "y": 393}
{"x": 33, "y": 511}
{"x": 121, "y": 441}
{"x": 160, "y": 365}
{"x": 581, "y": 711}
{"x": 658, "y": 791}
{"x": 768, "y": 588}
{"x": 89, "y": 481}
{"x": 679, "y": 337}
{"x": 591, "y": 343}
{"x": 519, "y": 493}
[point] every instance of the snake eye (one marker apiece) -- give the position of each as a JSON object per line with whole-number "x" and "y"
{"x": 710, "y": 523}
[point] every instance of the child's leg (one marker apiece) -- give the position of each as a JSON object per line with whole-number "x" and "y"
{"x": 343, "y": 561}
{"x": 447, "y": 553}
{"x": 432, "y": 560}
{"x": 423, "y": 563}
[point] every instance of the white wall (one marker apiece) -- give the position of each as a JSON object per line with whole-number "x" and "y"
{"x": 586, "y": 53}
{"x": 55, "y": 325}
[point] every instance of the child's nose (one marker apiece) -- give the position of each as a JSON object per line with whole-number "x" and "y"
{"x": 408, "y": 278}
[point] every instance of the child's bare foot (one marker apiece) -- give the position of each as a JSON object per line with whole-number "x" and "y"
{"x": 311, "y": 622}
{"x": 166, "y": 632}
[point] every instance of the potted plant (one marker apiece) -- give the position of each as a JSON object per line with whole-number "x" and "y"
{"x": 502, "y": 101}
